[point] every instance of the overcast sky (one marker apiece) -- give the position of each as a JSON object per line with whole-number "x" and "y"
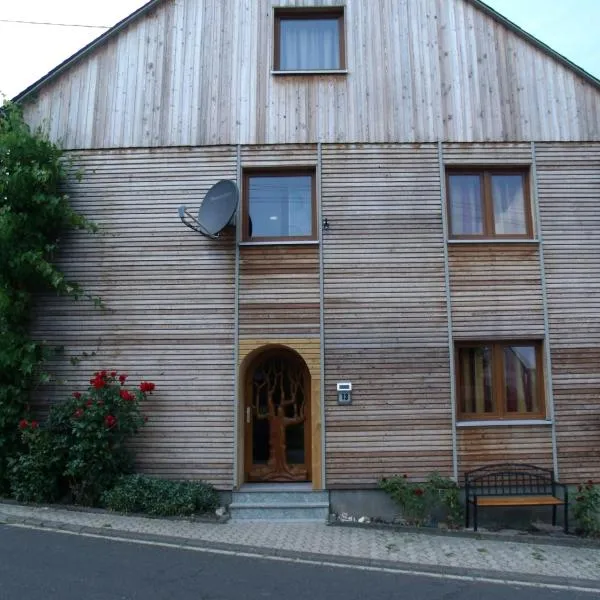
{"x": 27, "y": 52}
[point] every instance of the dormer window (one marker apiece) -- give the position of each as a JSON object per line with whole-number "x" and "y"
{"x": 309, "y": 39}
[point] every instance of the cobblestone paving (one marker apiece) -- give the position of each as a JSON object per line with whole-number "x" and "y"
{"x": 370, "y": 544}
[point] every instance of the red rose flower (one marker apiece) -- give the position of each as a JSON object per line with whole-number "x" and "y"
{"x": 89, "y": 403}
{"x": 113, "y": 373}
{"x": 147, "y": 386}
{"x": 98, "y": 383}
{"x": 23, "y": 424}
{"x": 77, "y": 395}
{"x": 103, "y": 373}
{"x": 122, "y": 378}
{"x": 418, "y": 492}
{"x": 34, "y": 424}
{"x": 126, "y": 395}
{"x": 78, "y": 413}
{"x": 110, "y": 421}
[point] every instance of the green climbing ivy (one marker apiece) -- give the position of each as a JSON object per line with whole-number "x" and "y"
{"x": 34, "y": 213}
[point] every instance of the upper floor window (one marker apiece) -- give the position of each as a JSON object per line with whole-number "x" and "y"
{"x": 309, "y": 39}
{"x": 489, "y": 204}
{"x": 279, "y": 205}
{"x": 500, "y": 380}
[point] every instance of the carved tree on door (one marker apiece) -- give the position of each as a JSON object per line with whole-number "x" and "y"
{"x": 278, "y": 395}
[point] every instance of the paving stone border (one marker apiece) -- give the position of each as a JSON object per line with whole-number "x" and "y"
{"x": 542, "y": 538}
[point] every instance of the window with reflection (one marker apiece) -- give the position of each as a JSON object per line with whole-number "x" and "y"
{"x": 500, "y": 380}
{"x": 489, "y": 204}
{"x": 279, "y": 205}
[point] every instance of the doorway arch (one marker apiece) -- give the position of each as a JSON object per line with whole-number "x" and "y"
{"x": 277, "y": 416}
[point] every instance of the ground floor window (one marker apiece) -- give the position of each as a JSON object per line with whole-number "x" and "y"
{"x": 500, "y": 380}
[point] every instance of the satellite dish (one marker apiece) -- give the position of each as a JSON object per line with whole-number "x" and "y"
{"x": 216, "y": 211}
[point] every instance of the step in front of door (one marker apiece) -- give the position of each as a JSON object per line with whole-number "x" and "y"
{"x": 280, "y": 506}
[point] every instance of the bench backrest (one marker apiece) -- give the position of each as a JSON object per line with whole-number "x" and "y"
{"x": 510, "y": 479}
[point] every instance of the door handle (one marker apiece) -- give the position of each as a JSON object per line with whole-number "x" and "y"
{"x": 248, "y": 414}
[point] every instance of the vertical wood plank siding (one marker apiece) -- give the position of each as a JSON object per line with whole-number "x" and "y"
{"x": 279, "y": 284}
{"x": 169, "y": 297}
{"x": 569, "y": 191}
{"x": 198, "y": 72}
{"x": 478, "y": 446}
{"x": 384, "y": 314}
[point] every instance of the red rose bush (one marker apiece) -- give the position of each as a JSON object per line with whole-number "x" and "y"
{"x": 81, "y": 449}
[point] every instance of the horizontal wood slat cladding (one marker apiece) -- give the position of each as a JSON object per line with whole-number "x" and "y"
{"x": 198, "y": 72}
{"x": 480, "y": 446}
{"x": 279, "y": 284}
{"x": 169, "y": 303}
{"x": 496, "y": 291}
{"x": 490, "y": 154}
{"x": 569, "y": 191}
{"x": 384, "y": 314}
{"x": 279, "y": 291}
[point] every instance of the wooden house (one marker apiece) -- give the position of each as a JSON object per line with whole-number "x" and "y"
{"x": 419, "y": 217}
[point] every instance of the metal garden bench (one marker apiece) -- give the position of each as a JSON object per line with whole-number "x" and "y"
{"x": 514, "y": 484}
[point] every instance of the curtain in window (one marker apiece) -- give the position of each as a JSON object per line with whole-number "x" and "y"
{"x": 520, "y": 378}
{"x": 475, "y": 380}
{"x": 466, "y": 214}
{"x": 509, "y": 204}
{"x": 309, "y": 44}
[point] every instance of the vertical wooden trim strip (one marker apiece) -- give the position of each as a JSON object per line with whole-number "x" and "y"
{"x": 448, "y": 309}
{"x": 236, "y": 330}
{"x": 547, "y": 353}
{"x": 321, "y": 314}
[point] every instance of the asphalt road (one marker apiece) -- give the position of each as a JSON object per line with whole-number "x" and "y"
{"x": 36, "y": 564}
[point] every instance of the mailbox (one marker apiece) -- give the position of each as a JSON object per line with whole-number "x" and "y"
{"x": 344, "y": 391}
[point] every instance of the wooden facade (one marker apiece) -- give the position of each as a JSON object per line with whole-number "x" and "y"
{"x": 417, "y": 71}
{"x": 184, "y": 95}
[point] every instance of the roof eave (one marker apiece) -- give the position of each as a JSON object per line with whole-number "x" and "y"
{"x": 33, "y": 88}
{"x": 80, "y": 54}
{"x": 533, "y": 40}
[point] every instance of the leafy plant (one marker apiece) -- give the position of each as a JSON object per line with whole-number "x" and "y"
{"x": 587, "y": 509}
{"x": 81, "y": 448}
{"x": 34, "y": 213}
{"x": 448, "y": 498}
{"x": 160, "y": 497}
{"x": 36, "y": 475}
{"x": 421, "y": 502}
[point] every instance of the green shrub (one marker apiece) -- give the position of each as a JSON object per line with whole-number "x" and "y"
{"x": 422, "y": 503}
{"x": 160, "y": 497}
{"x": 80, "y": 450}
{"x": 34, "y": 214}
{"x": 587, "y": 509}
{"x": 37, "y": 474}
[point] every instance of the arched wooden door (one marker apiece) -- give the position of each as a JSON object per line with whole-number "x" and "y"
{"x": 277, "y": 418}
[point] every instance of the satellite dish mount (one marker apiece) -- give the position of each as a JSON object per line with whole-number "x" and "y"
{"x": 217, "y": 210}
